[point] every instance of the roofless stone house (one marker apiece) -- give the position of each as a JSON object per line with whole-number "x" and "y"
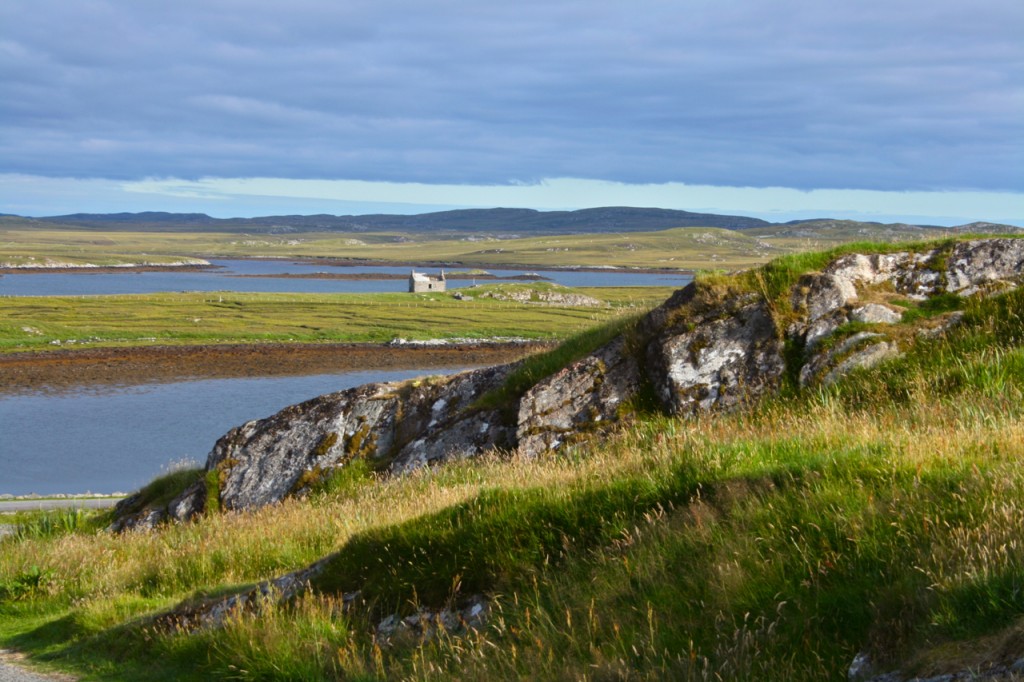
{"x": 420, "y": 283}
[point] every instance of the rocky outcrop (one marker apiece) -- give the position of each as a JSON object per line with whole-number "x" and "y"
{"x": 550, "y": 295}
{"x": 717, "y": 358}
{"x": 578, "y": 400}
{"x": 863, "y": 670}
{"x": 708, "y": 347}
{"x": 395, "y": 427}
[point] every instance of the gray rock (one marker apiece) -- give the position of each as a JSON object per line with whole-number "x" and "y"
{"x": 861, "y": 669}
{"x": 263, "y": 461}
{"x": 874, "y": 313}
{"x": 703, "y": 349}
{"x": 427, "y": 623}
{"x": 845, "y": 357}
{"x": 945, "y": 324}
{"x": 721, "y": 362}
{"x": 189, "y": 504}
{"x": 862, "y": 359}
{"x": 977, "y": 265}
{"x": 399, "y": 426}
{"x": 583, "y": 398}
{"x": 147, "y": 519}
{"x": 824, "y": 327}
{"x": 817, "y": 295}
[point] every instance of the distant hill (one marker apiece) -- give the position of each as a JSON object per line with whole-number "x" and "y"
{"x": 499, "y": 222}
{"x": 828, "y": 230}
{"x": 490, "y": 220}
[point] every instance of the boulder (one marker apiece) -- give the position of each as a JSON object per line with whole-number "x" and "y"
{"x": 393, "y": 426}
{"x": 717, "y": 361}
{"x": 977, "y": 265}
{"x": 875, "y": 313}
{"x": 706, "y": 348}
{"x": 583, "y": 398}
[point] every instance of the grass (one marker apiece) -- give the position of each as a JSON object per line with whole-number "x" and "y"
{"x": 542, "y": 365}
{"x": 683, "y": 248}
{"x": 878, "y": 514}
{"x": 35, "y": 323}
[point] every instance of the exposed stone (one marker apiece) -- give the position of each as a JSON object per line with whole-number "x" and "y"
{"x": 874, "y": 313}
{"x": 861, "y": 669}
{"x": 703, "y": 349}
{"x": 824, "y": 327}
{"x": 719, "y": 363}
{"x": 143, "y": 520}
{"x": 212, "y": 613}
{"x": 397, "y": 425}
{"x": 189, "y": 504}
{"x": 427, "y": 623}
{"x": 582, "y": 398}
{"x": 547, "y": 296}
{"x": 945, "y": 323}
{"x": 263, "y": 461}
{"x": 862, "y": 359}
{"x": 849, "y": 354}
{"x": 976, "y": 265}
{"x": 817, "y": 295}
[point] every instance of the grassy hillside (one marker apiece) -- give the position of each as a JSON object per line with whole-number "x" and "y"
{"x": 881, "y": 514}
{"x": 678, "y": 248}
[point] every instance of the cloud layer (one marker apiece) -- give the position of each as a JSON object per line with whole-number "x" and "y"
{"x": 886, "y": 95}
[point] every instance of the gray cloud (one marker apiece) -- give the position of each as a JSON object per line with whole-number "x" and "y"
{"x": 878, "y": 95}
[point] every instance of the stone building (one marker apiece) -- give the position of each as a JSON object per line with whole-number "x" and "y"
{"x": 420, "y": 283}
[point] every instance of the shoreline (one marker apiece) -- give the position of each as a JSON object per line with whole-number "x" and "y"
{"x": 64, "y": 370}
{"x": 334, "y": 262}
{"x": 369, "y": 276}
{"x": 106, "y": 269}
{"x": 363, "y": 262}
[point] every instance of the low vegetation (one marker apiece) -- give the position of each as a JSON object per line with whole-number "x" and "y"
{"x": 33, "y": 323}
{"x": 880, "y": 514}
{"x": 680, "y": 248}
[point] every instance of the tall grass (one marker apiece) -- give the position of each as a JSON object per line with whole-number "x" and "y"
{"x": 879, "y": 514}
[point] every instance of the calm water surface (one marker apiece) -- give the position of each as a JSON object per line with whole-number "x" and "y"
{"x": 107, "y": 440}
{"x": 226, "y": 278}
{"x": 111, "y": 440}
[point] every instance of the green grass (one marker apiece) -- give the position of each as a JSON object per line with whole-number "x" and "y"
{"x": 880, "y": 514}
{"x": 36, "y": 323}
{"x": 542, "y": 365}
{"x": 162, "y": 490}
{"x": 683, "y": 248}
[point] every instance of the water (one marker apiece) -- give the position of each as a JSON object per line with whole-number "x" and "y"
{"x": 105, "y": 440}
{"x": 118, "y": 439}
{"x": 225, "y": 278}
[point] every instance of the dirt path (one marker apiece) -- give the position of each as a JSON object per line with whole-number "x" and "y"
{"x": 64, "y": 369}
{"x": 12, "y": 671}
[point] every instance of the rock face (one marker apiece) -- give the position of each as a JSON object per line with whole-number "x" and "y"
{"x": 396, "y": 427}
{"x": 706, "y": 348}
{"x": 718, "y": 358}
{"x": 577, "y": 400}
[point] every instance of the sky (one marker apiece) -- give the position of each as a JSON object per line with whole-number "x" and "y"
{"x": 877, "y": 109}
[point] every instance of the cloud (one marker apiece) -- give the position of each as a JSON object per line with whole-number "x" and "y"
{"x": 868, "y": 95}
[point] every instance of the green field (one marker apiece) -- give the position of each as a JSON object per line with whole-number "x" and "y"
{"x": 37, "y": 323}
{"x": 683, "y": 248}
{"x": 24, "y": 241}
{"x": 880, "y": 514}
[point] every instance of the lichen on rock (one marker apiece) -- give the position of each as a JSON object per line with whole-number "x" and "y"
{"x": 713, "y": 345}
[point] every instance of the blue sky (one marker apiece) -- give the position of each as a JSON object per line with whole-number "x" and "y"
{"x": 874, "y": 110}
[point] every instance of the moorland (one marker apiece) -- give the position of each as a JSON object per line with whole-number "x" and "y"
{"x": 875, "y": 516}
